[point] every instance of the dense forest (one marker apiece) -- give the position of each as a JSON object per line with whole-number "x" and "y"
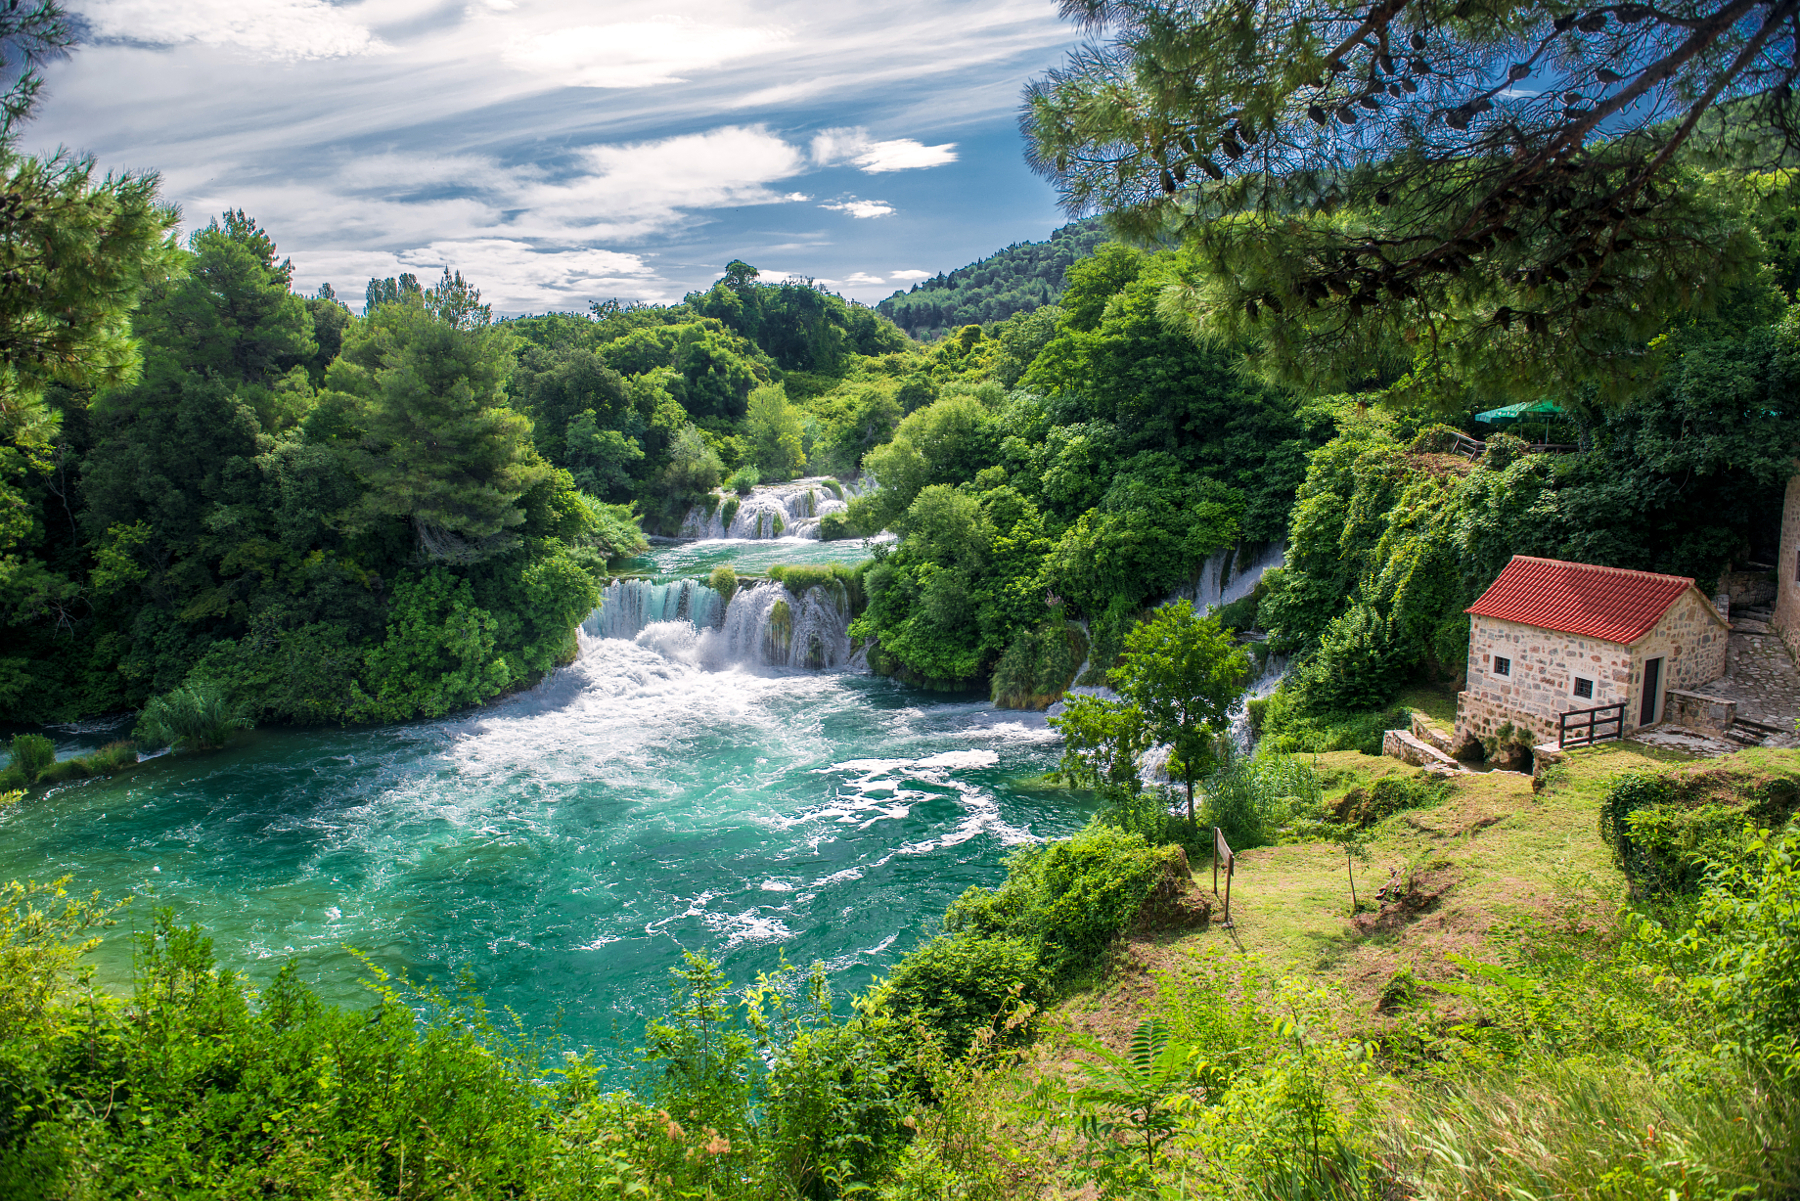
{"x": 1023, "y": 277}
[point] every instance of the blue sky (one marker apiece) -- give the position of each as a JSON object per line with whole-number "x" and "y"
{"x": 561, "y": 152}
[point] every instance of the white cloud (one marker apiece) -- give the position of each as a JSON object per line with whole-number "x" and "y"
{"x": 908, "y": 276}
{"x": 632, "y": 188}
{"x": 273, "y": 29}
{"x": 833, "y": 146}
{"x": 862, "y": 277}
{"x": 860, "y": 208}
{"x": 637, "y": 54}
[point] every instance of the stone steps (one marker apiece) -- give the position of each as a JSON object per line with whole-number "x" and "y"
{"x": 1749, "y": 732}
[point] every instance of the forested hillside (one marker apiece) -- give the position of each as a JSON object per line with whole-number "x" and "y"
{"x": 325, "y": 516}
{"x": 1023, "y": 277}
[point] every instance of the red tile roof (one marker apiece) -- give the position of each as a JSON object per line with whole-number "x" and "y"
{"x": 1609, "y": 603}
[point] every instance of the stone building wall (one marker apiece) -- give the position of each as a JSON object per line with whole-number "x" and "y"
{"x": 1690, "y": 640}
{"x": 1541, "y": 685}
{"x": 1787, "y": 570}
{"x": 1692, "y": 645}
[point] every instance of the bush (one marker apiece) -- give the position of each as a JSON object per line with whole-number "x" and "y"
{"x": 1072, "y": 897}
{"x": 1249, "y": 799}
{"x": 1039, "y": 666}
{"x": 724, "y": 581}
{"x": 33, "y": 755}
{"x": 959, "y": 984}
{"x": 728, "y": 513}
{"x": 1668, "y": 828}
{"x": 1388, "y": 795}
{"x": 744, "y": 480}
{"x": 1288, "y": 727}
{"x": 196, "y": 716}
{"x": 836, "y": 527}
{"x": 844, "y": 583}
{"x": 63, "y": 772}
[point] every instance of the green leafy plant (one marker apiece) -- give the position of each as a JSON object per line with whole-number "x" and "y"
{"x": 724, "y": 581}
{"x": 33, "y": 755}
{"x": 196, "y": 716}
{"x": 744, "y": 480}
{"x": 1127, "y": 1104}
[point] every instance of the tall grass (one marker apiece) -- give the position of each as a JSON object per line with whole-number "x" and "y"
{"x": 1249, "y": 799}
{"x": 196, "y": 716}
{"x": 1570, "y": 1127}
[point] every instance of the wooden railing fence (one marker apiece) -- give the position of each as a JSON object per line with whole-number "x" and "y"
{"x": 1583, "y": 727}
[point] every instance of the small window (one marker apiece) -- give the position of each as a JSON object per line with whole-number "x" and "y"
{"x": 1502, "y": 667}
{"x": 1584, "y": 688}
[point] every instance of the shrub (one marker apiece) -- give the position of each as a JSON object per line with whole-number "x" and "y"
{"x": 1072, "y": 897}
{"x": 1249, "y": 799}
{"x": 1039, "y": 665}
{"x": 744, "y": 480}
{"x": 1388, "y": 795}
{"x": 113, "y": 757}
{"x": 836, "y": 527}
{"x": 835, "y": 488}
{"x": 844, "y": 583}
{"x": 33, "y": 755}
{"x": 724, "y": 581}
{"x": 728, "y": 513}
{"x": 68, "y": 769}
{"x": 196, "y": 716}
{"x": 1668, "y": 828}
{"x": 1288, "y": 727}
{"x": 959, "y": 984}
{"x": 1502, "y": 451}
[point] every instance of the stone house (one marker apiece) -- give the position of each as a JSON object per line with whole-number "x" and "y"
{"x": 1550, "y": 637}
{"x": 1786, "y": 620}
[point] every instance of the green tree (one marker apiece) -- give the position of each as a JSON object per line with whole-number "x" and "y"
{"x": 775, "y": 432}
{"x": 1439, "y": 194}
{"x": 444, "y": 450}
{"x": 1182, "y": 672}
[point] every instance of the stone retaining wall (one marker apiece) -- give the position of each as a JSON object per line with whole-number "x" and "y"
{"x": 1697, "y": 711}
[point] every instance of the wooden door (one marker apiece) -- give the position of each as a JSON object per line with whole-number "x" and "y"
{"x": 1652, "y": 689}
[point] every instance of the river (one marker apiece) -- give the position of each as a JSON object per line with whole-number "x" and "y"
{"x": 564, "y": 845}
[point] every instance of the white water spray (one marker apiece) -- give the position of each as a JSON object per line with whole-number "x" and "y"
{"x": 791, "y": 510}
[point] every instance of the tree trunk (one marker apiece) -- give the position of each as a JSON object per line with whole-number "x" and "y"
{"x": 1351, "y": 872}
{"x": 1192, "y": 824}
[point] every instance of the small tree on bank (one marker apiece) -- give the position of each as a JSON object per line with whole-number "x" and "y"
{"x": 1178, "y": 678}
{"x": 1182, "y": 672}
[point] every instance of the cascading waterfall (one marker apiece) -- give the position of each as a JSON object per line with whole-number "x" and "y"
{"x": 791, "y": 510}
{"x": 767, "y": 624}
{"x": 1230, "y": 574}
{"x": 763, "y": 625}
{"x": 628, "y": 606}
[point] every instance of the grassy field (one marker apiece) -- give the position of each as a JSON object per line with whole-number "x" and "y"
{"x": 1496, "y": 851}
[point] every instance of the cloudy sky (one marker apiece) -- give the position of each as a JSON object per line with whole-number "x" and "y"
{"x": 559, "y": 152}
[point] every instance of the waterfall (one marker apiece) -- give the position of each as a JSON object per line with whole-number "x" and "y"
{"x": 769, "y": 625}
{"x": 1274, "y": 670}
{"x": 789, "y": 510}
{"x": 1230, "y": 574}
{"x": 628, "y": 606}
{"x": 764, "y": 625}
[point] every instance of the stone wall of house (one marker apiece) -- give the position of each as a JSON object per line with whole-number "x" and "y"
{"x": 1692, "y": 645}
{"x": 1689, "y": 639}
{"x": 1541, "y": 686}
{"x": 1787, "y": 570}
{"x": 1749, "y": 587}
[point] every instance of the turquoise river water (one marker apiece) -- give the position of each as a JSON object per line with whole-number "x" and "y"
{"x": 566, "y": 844}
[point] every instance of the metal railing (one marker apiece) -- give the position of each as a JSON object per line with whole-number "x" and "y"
{"x": 1583, "y": 727}
{"x": 1222, "y": 853}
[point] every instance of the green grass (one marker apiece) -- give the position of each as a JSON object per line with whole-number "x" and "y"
{"x": 1436, "y": 703}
